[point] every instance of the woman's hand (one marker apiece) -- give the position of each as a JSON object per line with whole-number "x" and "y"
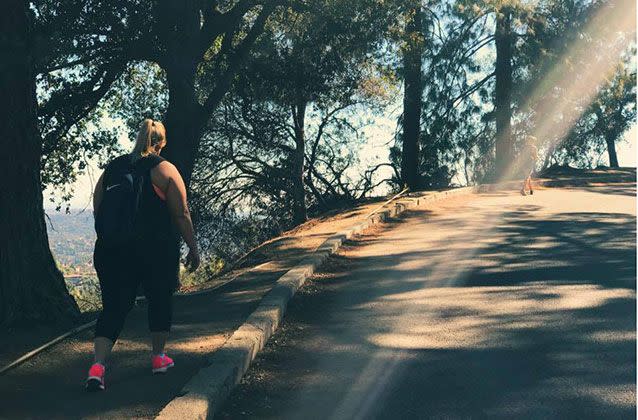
{"x": 192, "y": 260}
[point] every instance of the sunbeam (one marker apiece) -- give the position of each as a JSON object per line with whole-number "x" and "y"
{"x": 565, "y": 92}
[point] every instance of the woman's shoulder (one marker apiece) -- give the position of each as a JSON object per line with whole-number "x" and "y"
{"x": 163, "y": 166}
{"x": 163, "y": 170}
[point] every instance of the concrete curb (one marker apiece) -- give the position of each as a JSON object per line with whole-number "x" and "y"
{"x": 206, "y": 391}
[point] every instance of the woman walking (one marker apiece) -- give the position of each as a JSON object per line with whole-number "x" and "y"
{"x": 530, "y": 157}
{"x": 140, "y": 210}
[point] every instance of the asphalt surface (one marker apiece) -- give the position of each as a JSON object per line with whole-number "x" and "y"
{"x": 51, "y": 385}
{"x": 498, "y": 306}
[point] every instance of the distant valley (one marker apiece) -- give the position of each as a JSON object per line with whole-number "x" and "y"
{"x": 71, "y": 238}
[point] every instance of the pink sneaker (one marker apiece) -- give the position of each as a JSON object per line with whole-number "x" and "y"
{"x": 95, "y": 381}
{"x": 161, "y": 363}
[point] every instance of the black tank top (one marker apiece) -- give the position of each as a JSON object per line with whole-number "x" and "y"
{"x": 153, "y": 220}
{"x": 153, "y": 217}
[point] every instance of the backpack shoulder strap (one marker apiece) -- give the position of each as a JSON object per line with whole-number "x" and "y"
{"x": 147, "y": 163}
{"x": 114, "y": 165}
{"x": 153, "y": 160}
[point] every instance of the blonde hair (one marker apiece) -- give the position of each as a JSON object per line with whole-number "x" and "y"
{"x": 151, "y": 134}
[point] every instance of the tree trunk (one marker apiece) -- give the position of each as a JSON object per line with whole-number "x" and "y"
{"x": 184, "y": 120}
{"x": 413, "y": 91}
{"x": 299, "y": 213}
{"x": 503, "y": 94}
{"x": 32, "y": 289}
{"x": 178, "y": 26}
{"x": 611, "y": 150}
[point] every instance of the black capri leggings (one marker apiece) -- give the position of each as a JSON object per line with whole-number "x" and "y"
{"x": 122, "y": 269}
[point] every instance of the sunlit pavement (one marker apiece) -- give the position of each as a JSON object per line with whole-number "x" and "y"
{"x": 496, "y": 306}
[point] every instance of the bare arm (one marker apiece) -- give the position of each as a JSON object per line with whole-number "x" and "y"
{"x": 97, "y": 194}
{"x": 167, "y": 177}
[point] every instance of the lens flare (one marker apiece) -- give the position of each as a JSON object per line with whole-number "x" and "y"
{"x": 566, "y": 91}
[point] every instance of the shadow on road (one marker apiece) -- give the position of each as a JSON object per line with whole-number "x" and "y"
{"x": 534, "y": 320}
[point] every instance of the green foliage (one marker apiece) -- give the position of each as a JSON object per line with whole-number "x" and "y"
{"x": 87, "y": 294}
{"x": 79, "y": 51}
{"x": 564, "y": 38}
{"x": 549, "y": 35}
{"x": 212, "y": 267}
{"x": 138, "y": 93}
{"x": 454, "y": 87}
{"x": 603, "y": 124}
{"x": 311, "y": 75}
{"x": 92, "y": 57}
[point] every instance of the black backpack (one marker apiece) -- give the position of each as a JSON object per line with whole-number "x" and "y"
{"x": 122, "y": 190}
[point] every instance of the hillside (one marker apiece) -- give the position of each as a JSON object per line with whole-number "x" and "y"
{"x": 71, "y": 238}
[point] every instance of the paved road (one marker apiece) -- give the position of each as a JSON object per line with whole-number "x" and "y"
{"x": 499, "y": 306}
